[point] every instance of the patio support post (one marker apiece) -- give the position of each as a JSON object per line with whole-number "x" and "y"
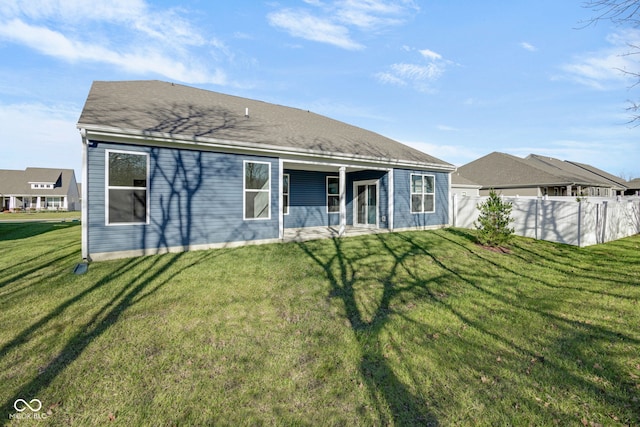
{"x": 342, "y": 180}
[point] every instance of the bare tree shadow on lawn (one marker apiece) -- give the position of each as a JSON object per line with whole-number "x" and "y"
{"x": 24, "y": 230}
{"x": 395, "y": 403}
{"x": 159, "y": 271}
{"x": 399, "y": 400}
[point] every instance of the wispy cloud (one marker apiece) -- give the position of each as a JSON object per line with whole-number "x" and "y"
{"x": 390, "y": 78}
{"x": 420, "y": 75}
{"x": 372, "y": 14}
{"x": 307, "y": 26}
{"x": 417, "y": 72}
{"x": 147, "y": 41}
{"x": 431, "y": 55}
{"x": 528, "y": 46}
{"x": 332, "y": 22}
{"x": 48, "y": 130}
{"x": 602, "y": 68}
{"x": 455, "y": 154}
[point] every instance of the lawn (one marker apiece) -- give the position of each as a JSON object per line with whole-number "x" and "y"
{"x": 40, "y": 216}
{"x": 417, "y": 328}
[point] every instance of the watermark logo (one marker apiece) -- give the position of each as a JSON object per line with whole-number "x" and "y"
{"x": 21, "y": 405}
{"x": 27, "y": 410}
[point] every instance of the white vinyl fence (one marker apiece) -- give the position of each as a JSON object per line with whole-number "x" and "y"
{"x": 562, "y": 220}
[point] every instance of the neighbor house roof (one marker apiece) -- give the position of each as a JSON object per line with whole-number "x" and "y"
{"x": 606, "y": 175}
{"x": 458, "y": 180}
{"x": 500, "y": 170}
{"x": 18, "y": 182}
{"x": 634, "y": 184}
{"x": 575, "y": 171}
{"x": 156, "y": 109}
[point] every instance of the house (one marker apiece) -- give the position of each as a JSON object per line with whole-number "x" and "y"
{"x": 168, "y": 167}
{"x": 39, "y": 189}
{"x": 633, "y": 187}
{"x": 463, "y": 187}
{"x": 539, "y": 176}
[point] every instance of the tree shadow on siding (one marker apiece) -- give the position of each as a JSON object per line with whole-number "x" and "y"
{"x": 184, "y": 183}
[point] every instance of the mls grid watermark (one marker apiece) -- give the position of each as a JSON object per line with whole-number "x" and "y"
{"x": 27, "y": 410}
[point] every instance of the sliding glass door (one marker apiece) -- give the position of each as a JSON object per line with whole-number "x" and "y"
{"x": 366, "y": 203}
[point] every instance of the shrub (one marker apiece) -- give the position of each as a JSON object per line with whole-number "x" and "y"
{"x": 493, "y": 221}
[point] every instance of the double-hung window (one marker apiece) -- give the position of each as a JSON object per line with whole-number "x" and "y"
{"x": 127, "y": 179}
{"x": 257, "y": 190}
{"x": 285, "y": 194}
{"x": 333, "y": 194}
{"x": 422, "y": 193}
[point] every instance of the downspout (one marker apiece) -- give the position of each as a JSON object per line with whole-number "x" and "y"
{"x": 280, "y": 199}
{"x": 84, "y": 214}
{"x": 391, "y": 192}
{"x": 342, "y": 182}
{"x": 450, "y": 205}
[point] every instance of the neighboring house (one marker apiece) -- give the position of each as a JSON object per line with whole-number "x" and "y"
{"x": 462, "y": 186}
{"x": 540, "y": 176}
{"x": 39, "y": 189}
{"x": 168, "y": 167}
{"x": 633, "y": 187}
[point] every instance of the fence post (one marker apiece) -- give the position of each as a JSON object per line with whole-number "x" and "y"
{"x": 454, "y": 210}
{"x": 537, "y": 218}
{"x": 604, "y": 221}
{"x": 579, "y": 223}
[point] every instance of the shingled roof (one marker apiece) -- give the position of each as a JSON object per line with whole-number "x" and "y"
{"x": 155, "y": 108}
{"x": 18, "y": 182}
{"x": 500, "y": 170}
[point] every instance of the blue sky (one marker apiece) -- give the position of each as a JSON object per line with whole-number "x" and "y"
{"x": 456, "y": 79}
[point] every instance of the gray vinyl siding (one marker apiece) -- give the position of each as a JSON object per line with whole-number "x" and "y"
{"x": 402, "y": 216}
{"x": 195, "y": 198}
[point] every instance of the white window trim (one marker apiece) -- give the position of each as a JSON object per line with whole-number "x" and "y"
{"x": 288, "y": 193}
{"x": 411, "y": 193}
{"x": 375, "y": 182}
{"x": 326, "y": 190}
{"x": 51, "y": 202}
{"x": 107, "y": 188}
{"x": 244, "y": 191}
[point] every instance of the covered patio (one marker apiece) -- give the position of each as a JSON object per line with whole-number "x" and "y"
{"x": 325, "y": 200}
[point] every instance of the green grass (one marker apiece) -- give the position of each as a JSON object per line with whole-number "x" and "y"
{"x": 421, "y": 328}
{"x": 39, "y": 216}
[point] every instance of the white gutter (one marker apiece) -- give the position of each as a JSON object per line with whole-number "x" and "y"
{"x": 85, "y": 191}
{"x": 147, "y": 138}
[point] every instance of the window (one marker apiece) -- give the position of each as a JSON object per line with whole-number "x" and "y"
{"x": 53, "y": 202}
{"x": 257, "y": 190}
{"x": 333, "y": 194}
{"x": 285, "y": 194}
{"x": 422, "y": 193}
{"x": 127, "y": 177}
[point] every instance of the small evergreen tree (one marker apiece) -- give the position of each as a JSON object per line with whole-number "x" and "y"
{"x": 493, "y": 221}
